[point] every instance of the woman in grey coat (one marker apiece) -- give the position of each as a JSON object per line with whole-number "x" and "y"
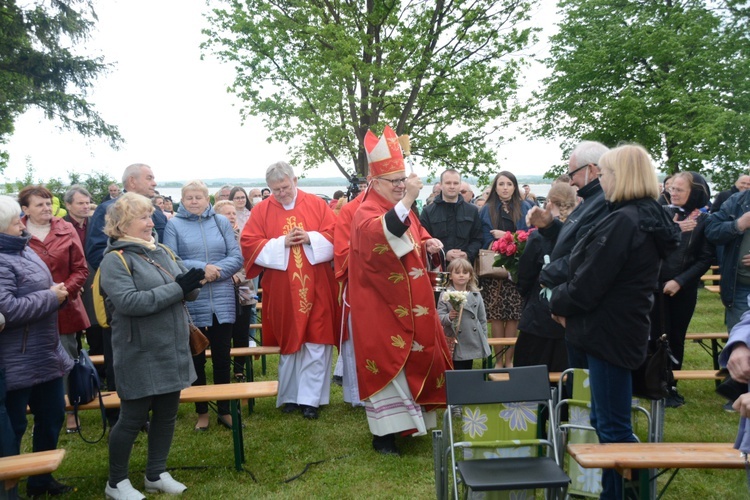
{"x": 145, "y": 286}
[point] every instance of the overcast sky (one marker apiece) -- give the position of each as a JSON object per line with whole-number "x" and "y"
{"x": 173, "y": 109}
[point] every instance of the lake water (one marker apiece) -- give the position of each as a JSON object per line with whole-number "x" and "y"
{"x": 175, "y": 193}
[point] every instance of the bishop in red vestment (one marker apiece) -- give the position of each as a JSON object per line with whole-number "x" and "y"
{"x": 290, "y": 237}
{"x": 400, "y": 347}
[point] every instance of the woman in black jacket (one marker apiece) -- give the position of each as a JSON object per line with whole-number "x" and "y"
{"x": 605, "y": 303}
{"x": 674, "y": 300}
{"x": 541, "y": 340}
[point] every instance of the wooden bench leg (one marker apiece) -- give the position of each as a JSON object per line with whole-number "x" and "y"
{"x": 250, "y": 378}
{"x": 235, "y": 409}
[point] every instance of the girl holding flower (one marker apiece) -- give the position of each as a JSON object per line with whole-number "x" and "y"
{"x": 462, "y": 314}
{"x": 504, "y": 212}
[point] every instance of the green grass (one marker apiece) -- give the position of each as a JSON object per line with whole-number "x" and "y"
{"x": 337, "y": 453}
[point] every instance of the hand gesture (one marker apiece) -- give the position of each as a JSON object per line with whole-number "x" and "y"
{"x": 453, "y": 314}
{"x": 671, "y": 287}
{"x": 60, "y": 292}
{"x": 296, "y": 236}
{"x": 686, "y": 225}
{"x": 739, "y": 363}
{"x": 539, "y": 217}
{"x": 212, "y": 273}
{"x": 433, "y": 245}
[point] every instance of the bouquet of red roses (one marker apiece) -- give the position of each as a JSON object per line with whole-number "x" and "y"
{"x": 509, "y": 249}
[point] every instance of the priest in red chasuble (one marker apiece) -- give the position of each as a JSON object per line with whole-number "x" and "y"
{"x": 400, "y": 347}
{"x": 290, "y": 236}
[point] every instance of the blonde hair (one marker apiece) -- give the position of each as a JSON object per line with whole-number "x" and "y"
{"x": 222, "y": 203}
{"x": 564, "y": 197}
{"x": 195, "y": 185}
{"x": 464, "y": 265}
{"x": 125, "y": 210}
{"x": 634, "y": 174}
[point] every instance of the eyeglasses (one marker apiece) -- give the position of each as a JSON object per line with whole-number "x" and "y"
{"x": 676, "y": 190}
{"x": 571, "y": 174}
{"x": 463, "y": 192}
{"x": 394, "y": 182}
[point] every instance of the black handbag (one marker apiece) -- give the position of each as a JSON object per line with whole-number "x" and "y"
{"x": 83, "y": 387}
{"x": 653, "y": 378}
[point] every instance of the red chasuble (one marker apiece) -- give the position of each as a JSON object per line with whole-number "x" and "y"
{"x": 394, "y": 317}
{"x": 341, "y": 238}
{"x": 299, "y": 303}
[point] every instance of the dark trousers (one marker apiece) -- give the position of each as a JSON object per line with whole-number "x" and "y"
{"x": 109, "y": 371}
{"x": 677, "y": 310}
{"x": 220, "y": 340}
{"x": 134, "y": 412}
{"x": 47, "y": 403}
{"x": 241, "y": 334}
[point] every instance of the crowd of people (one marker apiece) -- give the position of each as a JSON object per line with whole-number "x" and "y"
{"x": 610, "y": 262}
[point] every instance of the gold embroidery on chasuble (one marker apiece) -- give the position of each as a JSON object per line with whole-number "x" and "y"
{"x": 305, "y": 306}
{"x": 372, "y": 367}
{"x": 398, "y": 341}
{"x": 440, "y": 382}
{"x": 396, "y": 278}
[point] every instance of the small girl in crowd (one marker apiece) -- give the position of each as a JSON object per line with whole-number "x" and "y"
{"x": 472, "y": 331}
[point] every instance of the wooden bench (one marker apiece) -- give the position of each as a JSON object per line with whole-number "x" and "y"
{"x": 233, "y": 393}
{"x": 28, "y": 464}
{"x": 625, "y": 457}
{"x": 717, "y": 341}
{"x": 247, "y": 352}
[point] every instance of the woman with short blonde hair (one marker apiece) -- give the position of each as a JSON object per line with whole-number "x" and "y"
{"x": 120, "y": 215}
{"x": 635, "y": 175}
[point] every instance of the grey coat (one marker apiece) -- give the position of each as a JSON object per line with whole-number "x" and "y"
{"x": 472, "y": 332}
{"x": 150, "y": 337}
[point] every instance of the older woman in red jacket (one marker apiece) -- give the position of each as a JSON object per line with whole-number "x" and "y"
{"x": 55, "y": 241}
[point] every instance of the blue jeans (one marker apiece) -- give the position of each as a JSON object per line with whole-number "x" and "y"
{"x": 47, "y": 403}
{"x": 611, "y": 400}
{"x": 739, "y": 305}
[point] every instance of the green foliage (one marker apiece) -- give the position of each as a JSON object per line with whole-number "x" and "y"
{"x": 37, "y": 67}
{"x": 670, "y": 75}
{"x": 321, "y": 73}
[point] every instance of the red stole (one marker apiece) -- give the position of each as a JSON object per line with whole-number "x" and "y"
{"x": 299, "y": 303}
{"x": 394, "y": 316}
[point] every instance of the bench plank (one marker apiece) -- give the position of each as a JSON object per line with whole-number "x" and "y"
{"x": 262, "y": 350}
{"x": 30, "y": 464}
{"x": 198, "y": 393}
{"x": 657, "y": 455}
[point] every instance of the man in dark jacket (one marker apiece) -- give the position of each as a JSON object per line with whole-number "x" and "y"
{"x": 583, "y": 170}
{"x": 742, "y": 184}
{"x": 453, "y": 221}
{"x": 728, "y": 228}
{"x": 137, "y": 178}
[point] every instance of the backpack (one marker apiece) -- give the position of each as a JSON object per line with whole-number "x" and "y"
{"x": 98, "y": 296}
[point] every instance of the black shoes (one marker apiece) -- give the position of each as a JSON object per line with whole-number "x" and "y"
{"x": 290, "y": 407}
{"x": 53, "y": 489}
{"x": 309, "y": 412}
{"x": 385, "y": 444}
{"x": 674, "y": 399}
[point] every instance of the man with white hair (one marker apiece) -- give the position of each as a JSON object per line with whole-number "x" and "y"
{"x": 290, "y": 238}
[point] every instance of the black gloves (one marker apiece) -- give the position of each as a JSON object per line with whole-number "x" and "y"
{"x": 190, "y": 280}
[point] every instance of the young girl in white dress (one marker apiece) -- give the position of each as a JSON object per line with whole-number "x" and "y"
{"x": 471, "y": 338}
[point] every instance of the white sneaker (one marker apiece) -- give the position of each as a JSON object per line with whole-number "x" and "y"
{"x": 123, "y": 491}
{"x": 165, "y": 484}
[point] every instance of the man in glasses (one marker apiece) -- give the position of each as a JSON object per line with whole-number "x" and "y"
{"x": 399, "y": 345}
{"x": 290, "y": 238}
{"x": 453, "y": 221}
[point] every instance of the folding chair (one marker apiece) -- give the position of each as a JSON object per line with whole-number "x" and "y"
{"x": 577, "y": 429}
{"x": 498, "y": 433}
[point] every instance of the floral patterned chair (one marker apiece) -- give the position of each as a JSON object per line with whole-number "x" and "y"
{"x": 496, "y": 447}
{"x": 576, "y": 428}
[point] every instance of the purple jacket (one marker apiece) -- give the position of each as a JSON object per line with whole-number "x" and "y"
{"x": 30, "y": 350}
